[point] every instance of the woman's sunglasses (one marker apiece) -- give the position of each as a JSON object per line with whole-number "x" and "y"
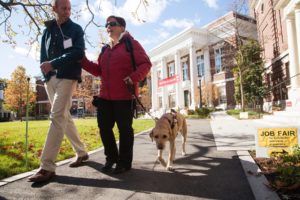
{"x": 111, "y": 24}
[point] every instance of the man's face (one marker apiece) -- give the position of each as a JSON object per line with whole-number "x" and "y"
{"x": 62, "y": 10}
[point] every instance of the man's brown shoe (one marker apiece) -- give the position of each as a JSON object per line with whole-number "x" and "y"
{"x": 41, "y": 176}
{"x": 79, "y": 161}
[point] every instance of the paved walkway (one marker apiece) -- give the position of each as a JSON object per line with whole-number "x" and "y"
{"x": 207, "y": 172}
{"x": 232, "y": 134}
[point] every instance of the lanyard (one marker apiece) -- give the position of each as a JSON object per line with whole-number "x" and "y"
{"x": 61, "y": 32}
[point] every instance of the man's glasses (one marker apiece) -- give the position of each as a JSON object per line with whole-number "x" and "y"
{"x": 111, "y": 24}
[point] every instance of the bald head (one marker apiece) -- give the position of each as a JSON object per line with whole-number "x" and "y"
{"x": 62, "y": 10}
{"x": 55, "y": 2}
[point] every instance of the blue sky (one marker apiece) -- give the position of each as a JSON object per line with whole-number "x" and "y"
{"x": 163, "y": 19}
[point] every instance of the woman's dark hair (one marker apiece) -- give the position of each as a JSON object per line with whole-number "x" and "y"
{"x": 120, "y": 20}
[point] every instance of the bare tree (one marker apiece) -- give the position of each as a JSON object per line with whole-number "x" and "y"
{"x": 35, "y": 12}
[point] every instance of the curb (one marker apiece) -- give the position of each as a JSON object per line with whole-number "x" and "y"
{"x": 257, "y": 183}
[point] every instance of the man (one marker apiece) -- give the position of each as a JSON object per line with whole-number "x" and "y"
{"x": 62, "y": 48}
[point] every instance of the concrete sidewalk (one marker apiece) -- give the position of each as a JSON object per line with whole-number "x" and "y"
{"x": 232, "y": 134}
{"x": 205, "y": 173}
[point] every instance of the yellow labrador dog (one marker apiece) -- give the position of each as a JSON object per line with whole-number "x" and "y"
{"x": 166, "y": 129}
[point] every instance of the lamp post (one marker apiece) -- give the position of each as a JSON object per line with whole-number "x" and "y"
{"x": 27, "y": 108}
{"x": 200, "y": 90}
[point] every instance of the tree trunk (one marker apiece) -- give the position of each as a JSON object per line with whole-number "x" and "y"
{"x": 242, "y": 91}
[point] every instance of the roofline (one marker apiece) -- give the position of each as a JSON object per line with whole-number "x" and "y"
{"x": 227, "y": 14}
{"x": 174, "y": 37}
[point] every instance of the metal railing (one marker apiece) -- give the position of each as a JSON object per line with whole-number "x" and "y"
{"x": 282, "y": 82}
{"x": 282, "y": 103}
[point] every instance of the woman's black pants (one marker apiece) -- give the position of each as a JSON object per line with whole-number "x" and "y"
{"x": 121, "y": 113}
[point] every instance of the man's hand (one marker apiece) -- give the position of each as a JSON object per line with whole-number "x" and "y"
{"x": 46, "y": 67}
{"x": 128, "y": 81}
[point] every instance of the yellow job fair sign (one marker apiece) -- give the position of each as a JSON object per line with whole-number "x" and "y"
{"x": 277, "y": 137}
{"x": 276, "y": 140}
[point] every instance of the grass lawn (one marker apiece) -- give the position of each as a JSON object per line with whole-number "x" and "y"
{"x": 251, "y": 114}
{"x": 13, "y": 142}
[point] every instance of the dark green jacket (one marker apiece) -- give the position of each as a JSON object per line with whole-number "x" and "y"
{"x": 65, "y": 61}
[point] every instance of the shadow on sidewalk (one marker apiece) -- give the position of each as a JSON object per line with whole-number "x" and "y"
{"x": 204, "y": 172}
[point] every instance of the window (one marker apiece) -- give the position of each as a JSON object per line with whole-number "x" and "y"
{"x": 159, "y": 102}
{"x": 218, "y": 60}
{"x": 172, "y": 101}
{"x": 159, "y": 75}
{"x": 262, "y": 8}
{"x": 200, "y": 65}
{"x": 171, "y": 69}
{"x": 96, "y": 84}
{"x": 287, "y": 74}
{"x": 222, "y": 92}
{"x": 186, "y": 98}
{"x": 185, "y": 70}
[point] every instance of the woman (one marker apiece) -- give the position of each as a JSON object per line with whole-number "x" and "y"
{"x": 115, "y": 103}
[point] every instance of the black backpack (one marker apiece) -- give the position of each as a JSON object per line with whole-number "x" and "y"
{"x": 129, "y": 48}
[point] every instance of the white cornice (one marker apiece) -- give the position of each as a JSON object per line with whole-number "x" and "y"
{"x": 289, "y": 8}
{"x": 184, "y": 38}
{"x": 281, "y": 4}
{"x": 253, "y": 3}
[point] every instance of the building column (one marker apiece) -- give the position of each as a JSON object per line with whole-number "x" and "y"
{"x": 154, "y": 83}
{"x": 207, "y": 72}
{"x": 179, "y": 90}
{"x": 193, "y": 75}
{"x": 207, "y": 65}
{"x": 294, "y": 91}
{"x": 165, "y": 104}
{"x": 297, "y": 38}
{"x": 293, "y": 53}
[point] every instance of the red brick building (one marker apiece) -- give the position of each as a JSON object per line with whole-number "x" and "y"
{"x": 81, "y": 101}
{"x": 272, "y": 35}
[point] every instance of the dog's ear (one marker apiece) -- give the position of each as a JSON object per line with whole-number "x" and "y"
{"x": 151, "y": 135}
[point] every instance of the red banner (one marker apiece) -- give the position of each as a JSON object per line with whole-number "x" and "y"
{"x": 168, "y": 81}
{"x": 288, "y": 103}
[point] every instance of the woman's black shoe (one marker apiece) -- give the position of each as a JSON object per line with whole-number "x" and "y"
{"x": 120, "y": 169}
{"x": 107, "y": 167}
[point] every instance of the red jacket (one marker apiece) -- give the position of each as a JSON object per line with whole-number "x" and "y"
{"x": 114, "y": 64}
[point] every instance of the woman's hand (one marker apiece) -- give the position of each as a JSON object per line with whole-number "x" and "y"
{"x": 128, "y": 81}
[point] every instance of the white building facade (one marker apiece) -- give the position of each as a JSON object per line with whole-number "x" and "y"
{"x": 196, "y": 56}
{"x": 291, "y": 14}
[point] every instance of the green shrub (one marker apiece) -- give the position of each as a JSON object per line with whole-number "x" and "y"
{"x": 203, "y": 111}
{"x": 190, "y": 112}
{"x": 289, "y": 169}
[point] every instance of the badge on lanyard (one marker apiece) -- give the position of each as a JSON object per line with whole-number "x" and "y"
{"x": 67, "y": 43}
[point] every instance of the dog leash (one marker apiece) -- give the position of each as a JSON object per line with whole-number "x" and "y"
{"x": 130, "y": 88}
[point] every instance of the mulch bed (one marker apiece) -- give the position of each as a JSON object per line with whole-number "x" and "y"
{"x": 268, "y": 167}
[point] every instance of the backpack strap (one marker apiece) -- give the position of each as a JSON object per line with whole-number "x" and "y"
{"x": 103, "y": 48}
{"x": 129, "y": 48}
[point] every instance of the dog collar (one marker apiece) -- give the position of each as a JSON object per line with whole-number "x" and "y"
{"x": 172, "y": 123}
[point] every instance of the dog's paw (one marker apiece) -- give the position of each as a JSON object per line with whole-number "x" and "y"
{"x": 162, "y": 162}
{"x": 170, "y": 168}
